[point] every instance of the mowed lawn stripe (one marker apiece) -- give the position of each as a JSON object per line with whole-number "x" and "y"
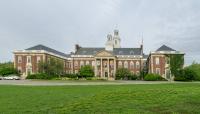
{"x": 153, "y": 98}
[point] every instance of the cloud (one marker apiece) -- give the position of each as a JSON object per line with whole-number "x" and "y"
{"x": 61, "y": 24}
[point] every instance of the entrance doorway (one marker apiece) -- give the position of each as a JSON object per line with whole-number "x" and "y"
{"x": 106, "y": 74}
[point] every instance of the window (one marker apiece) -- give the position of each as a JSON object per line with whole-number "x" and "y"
{"x": 93, "y": 63}
{"x": 76, "y": 63}
{"x": 167, "y": 60}
{"x": 81, "y": 63}
{"x": 157, "y": 61}
{"x": 120, "y": 52}
{"x": 131, "y": 52}
{"x": 19, "y": 59}
{"x": 112, "y": 64}
{"x": 137, "y": 65}
{"x": 19, "y": 69}
{"x": 98, "y": 63}
{"x": 158, "y": 71}
{"x": 87, "y": 63}
{"x": 132, "y": 65}
{"x": 49, "y": 60}
{"x": 115, "y": 41}
{"x": 38, "y": 59}
{"x": 76, "y": 71}
{"x": 125, "y": 64}
{"x": 120, "y": 64}
{"x": 28, "y": 59}
{"x": 137, "y": 73}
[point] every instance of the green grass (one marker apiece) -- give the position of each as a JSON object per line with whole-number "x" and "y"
{"x": 157, "y": 98}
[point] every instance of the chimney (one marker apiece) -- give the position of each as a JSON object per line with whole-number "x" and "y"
{"x": 141, "y": 47}
{"x": 77, "y": 47}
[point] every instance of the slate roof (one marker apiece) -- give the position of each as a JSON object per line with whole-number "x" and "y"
{"x": 127, "y": 51}
{"x": 116, "y": 51}
{"x": 88, "y": 51}
{"x": 42, "y": 47}
{"x": 145, "y": 56}
{"x": 165, "y": 48}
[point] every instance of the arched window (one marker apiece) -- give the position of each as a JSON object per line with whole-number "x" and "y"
{"x": 137, "y": 65}
{"x": 93, "y": 63}
{"x": 132, "y": 65}
{"x": 157, "y": 61}
{"x": 81, "y": 63}
{"x": 120, "y": 64}
{"x": 19, "y": 59}
{"x": 87, "y": 63}
{"x": 125, "y": 64}
{"x": 76, "y": 63}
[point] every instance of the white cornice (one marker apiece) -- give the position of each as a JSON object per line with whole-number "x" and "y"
{"x": 166, "y": 52}
{"x": 40, "y": 52}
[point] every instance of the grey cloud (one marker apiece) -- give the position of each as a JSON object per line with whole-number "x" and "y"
{"x": 61, "y": 24}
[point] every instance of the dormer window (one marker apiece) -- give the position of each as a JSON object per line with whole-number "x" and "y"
{"x": 94, "y": 52}
{"x": 120, "y": 52}
{"x": 131, "y": 52}
{"x": 84, "y": 52}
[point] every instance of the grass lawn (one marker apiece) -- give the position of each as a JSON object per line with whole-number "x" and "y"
{"x": 181, "y": 98}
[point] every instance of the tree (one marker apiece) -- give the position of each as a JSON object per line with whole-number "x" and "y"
{"x": 86, "y": 71}
{"x": 7, "y": 69}
{"x": 185, "y": 75}
{"x": 124, "y": 73}
{"x": 176, "y": 63}
{"x": 195, "y": 67}
{"x": 52, "y": 67}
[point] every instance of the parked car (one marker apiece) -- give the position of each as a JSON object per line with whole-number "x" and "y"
{"x": 11, "y": 78}
{"x": 1, "y": 78}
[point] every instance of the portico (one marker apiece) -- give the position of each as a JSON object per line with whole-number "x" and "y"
{"x": 105, "y": 65}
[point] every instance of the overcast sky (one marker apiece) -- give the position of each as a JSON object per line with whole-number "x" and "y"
{"x": 60, "y": 24}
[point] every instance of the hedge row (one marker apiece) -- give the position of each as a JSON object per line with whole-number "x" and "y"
{"x": 154, "y": 77}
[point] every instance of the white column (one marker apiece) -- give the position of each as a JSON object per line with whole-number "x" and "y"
{"x": 108, "y": 68}
{"x": 95, "y": 68}
{"x": 101, "y": 68}
{"x": 114, "y": 67}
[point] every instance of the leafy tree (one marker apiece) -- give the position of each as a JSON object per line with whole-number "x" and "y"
{"x": 86, "y": 71}
{"x": 185, "y": 75}
{"x": 7, "y": 69}
{"x": 52, "y": 67}
{"x": 124, "y": 73}
{"x": 195, "y": 67}
{"x": 176, "y": 62}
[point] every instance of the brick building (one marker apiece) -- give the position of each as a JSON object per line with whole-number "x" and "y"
{"x": 105, "y": 60}
{"x": 159, "y": 61}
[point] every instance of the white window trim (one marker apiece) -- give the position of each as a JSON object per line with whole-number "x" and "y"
{"x": 158, "y": 69}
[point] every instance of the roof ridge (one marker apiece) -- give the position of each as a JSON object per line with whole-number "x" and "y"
{"x": 43, "y": 47}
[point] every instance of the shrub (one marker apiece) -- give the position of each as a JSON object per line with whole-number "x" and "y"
{"x": 185, "y": 75}
{"x": 71, "y": 75}
{"x": 86, "y": 71}
{"x": 8, "y": 71}
{"x": 133, "y": 77}
{"x": 125, "y": 74}
{"x": 195, "y": 68}
{"x": 41, "y": 76}
{"x": 153, "y": 77}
